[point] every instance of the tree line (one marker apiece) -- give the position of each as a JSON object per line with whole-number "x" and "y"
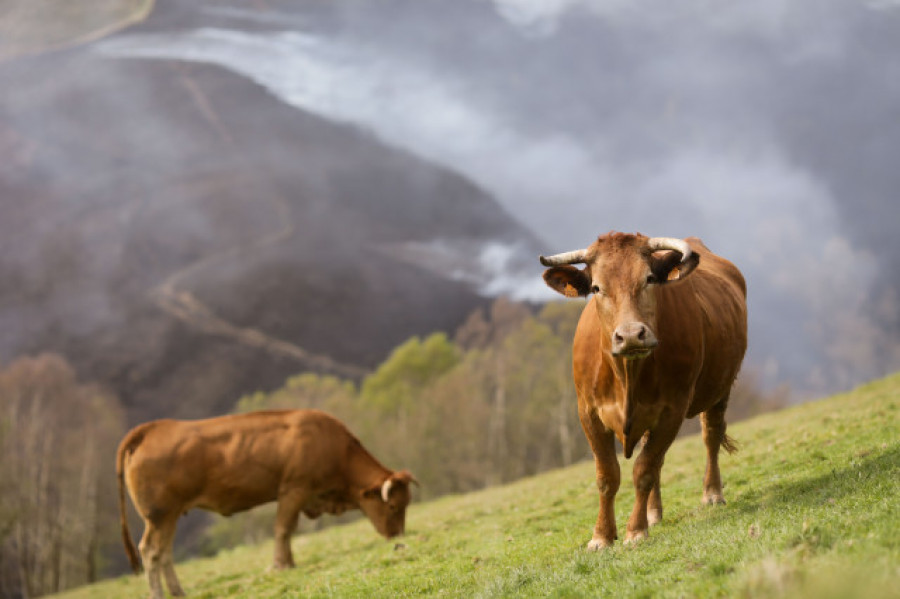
{"x": 58, "y": 437}
{"x": 489, "y": 404}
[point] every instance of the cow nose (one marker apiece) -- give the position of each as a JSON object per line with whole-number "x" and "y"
{"x": 633, "y": 338}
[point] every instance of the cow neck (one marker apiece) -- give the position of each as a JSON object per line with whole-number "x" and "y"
{"x": 364, "y": 471}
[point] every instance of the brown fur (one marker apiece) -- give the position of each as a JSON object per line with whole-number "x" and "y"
{"x": 305, "y": 460}
{"x": 697, "y": 313}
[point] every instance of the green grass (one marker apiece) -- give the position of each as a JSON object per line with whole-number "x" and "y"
{"x": 813, "y": 511}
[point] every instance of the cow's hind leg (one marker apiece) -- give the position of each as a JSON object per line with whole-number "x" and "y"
{"x": 289, "y": 505}
{"x": 654, "y": 503}
{"x": 168, "y": 562}
{"x": 608, "y": 477}
{"x": 151, "y": 549}
{"x": 713, "y": 424}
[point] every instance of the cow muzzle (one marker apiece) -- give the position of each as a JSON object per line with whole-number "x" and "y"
{"x": 633, "y": 340}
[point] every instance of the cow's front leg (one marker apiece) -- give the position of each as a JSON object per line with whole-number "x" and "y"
{"x": 608, "y": 476}
{"x": 289, "y": 505}
{"x": 646, "y": 475}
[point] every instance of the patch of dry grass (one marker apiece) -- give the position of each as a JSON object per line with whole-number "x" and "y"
{"x": 34, "y": 26}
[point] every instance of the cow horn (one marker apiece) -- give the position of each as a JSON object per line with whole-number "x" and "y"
{"x": 671, "y": 243}
{"x": 573, "y": 257}
{"x": 386, "y": 489}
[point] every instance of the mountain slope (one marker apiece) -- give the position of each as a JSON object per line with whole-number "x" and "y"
{"x": 812, "y": 512}
{"x": 184, "y": 237}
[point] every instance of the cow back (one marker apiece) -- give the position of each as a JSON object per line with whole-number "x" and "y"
{"x": 705, "y": 316}
{"x": 232, "y": 463}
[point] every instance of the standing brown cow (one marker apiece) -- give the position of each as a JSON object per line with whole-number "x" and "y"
{"x": 661, "y": 340}
{"x": 305, "y": 459}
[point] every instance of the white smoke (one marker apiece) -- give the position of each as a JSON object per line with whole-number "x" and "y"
{"x": 406, "y": 105}
{"x": 675, "y": 141}
{"x": 494, "y": 268}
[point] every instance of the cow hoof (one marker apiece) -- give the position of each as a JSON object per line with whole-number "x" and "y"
{"x": 598, "y": 544}
{"x": 634, "y": 537}
{"x": 714, "y": 499}
{"x": 654, "y": 517}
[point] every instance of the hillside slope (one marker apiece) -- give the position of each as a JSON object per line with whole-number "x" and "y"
{"x": 812, "y": 512}
{"x": 182, "y": 236}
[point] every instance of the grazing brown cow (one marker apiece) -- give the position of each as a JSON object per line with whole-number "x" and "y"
{"x": 305, "y": 459}
{"x": 661, "y": 340}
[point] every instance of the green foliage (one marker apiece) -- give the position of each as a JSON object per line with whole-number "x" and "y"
{"x": 812, "y": 512}
{"x": 408, "y": 371}
{"x": 304, "y": 391}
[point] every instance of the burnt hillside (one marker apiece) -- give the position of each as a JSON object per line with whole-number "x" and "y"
{"x": 181, "y": 235}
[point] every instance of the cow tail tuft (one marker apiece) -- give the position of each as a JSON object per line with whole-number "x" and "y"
{"x": 127, "y": 445}
{"x": 729, "y": 444}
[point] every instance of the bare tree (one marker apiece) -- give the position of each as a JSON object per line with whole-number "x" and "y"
{"x": 57, "y": 437}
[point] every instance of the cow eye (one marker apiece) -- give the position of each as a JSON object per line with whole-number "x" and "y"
{"x": 651, "y": 279}
{"x": 596, "y": 289}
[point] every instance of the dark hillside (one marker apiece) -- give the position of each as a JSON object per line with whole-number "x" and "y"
{"x": 183, "y": 236}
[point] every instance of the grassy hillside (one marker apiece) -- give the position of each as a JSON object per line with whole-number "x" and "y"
{"x": 813, "y": 511}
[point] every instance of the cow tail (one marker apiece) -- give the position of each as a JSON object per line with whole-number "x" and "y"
{"x": 729, "y": 444}
{"x": 126, "y": 447}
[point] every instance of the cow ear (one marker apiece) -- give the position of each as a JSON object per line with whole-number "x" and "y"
{"x": 668, "y": 267}
{"x": 405, "y": 477}
{"x": 394, "y": 481}
{"x": 568, "y": 280}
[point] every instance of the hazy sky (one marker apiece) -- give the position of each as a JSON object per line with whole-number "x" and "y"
{"x": 770, "y": 129}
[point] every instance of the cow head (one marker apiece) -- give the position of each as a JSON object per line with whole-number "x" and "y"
{"x": 623, "y": 272}
{"x": 385, "y": 504}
